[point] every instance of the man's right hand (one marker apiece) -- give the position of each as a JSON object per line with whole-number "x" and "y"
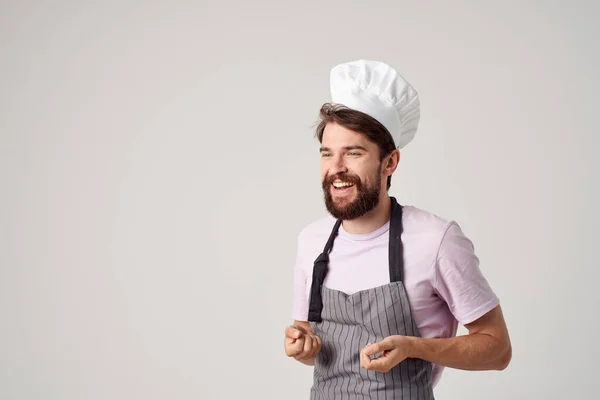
{"x": 301, "y": 344}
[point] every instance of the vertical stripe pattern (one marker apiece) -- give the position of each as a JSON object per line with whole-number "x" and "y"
{"x": 349, "y": 323}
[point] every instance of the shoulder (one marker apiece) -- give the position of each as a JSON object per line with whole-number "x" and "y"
{"x": 311, "y": 241}
{"x": 418, "y": 221}
{"x": 317, "y": 230}
{"x": 439, "y": 236}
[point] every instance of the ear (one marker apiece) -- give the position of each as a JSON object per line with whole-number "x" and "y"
{"x": 390, "y": 163}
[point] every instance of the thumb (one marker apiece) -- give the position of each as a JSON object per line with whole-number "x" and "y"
{"x": 293, "y": 333}
{"x": 296, "y": 334}
{"x": 374, "y": 348}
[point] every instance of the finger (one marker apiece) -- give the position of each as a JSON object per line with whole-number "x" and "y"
{"x": 316, "y": 346}
{"x": 385, "y": 344}
{"x": 319, "y": 344}
{"x": 365, "y": 360}
{"x": 372, "y": 349}
{"x": 307, "y": 349}
{"x": 295, "y": 348}
{"x": 382, "y": 364}
{"x": 292, "y": 332}
{"x": 301, "y": 329}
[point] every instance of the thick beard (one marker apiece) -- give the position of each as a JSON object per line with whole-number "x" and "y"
{"x": 366, "y": 200}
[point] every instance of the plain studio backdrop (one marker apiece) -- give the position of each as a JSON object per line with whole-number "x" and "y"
{"x": 157, "y": 162}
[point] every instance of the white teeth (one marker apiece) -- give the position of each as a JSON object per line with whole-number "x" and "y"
{"x": 338, "y": 185}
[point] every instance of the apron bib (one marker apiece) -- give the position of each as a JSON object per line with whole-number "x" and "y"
{"x": 347, "y": 322}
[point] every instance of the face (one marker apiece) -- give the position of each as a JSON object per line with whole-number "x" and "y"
{"x": 351, "y": 172}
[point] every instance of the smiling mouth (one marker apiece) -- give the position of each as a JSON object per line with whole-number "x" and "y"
{"x": 342, "y": 185}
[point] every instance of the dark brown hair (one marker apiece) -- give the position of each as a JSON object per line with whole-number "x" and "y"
{"x": 359, "y": 122}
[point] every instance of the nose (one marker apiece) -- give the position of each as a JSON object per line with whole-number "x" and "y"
{"x": 338, "y": 166}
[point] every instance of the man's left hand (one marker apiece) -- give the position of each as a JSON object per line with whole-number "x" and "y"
{"x": 393, "y": 349}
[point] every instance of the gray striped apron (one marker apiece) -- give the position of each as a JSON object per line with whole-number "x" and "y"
{"x": 347, "y": 322}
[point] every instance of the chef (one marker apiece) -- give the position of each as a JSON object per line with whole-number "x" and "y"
{"x": 381, "y": 287}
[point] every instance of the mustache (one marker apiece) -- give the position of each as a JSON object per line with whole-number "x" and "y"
{"x": 342, "y": 177}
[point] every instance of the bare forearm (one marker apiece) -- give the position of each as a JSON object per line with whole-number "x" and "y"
{"x": 475, "y": 352}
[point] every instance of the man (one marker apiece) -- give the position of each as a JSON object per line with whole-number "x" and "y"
{"x": 380, "y": 288}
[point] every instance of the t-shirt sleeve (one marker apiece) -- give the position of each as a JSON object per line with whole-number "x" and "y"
{"x": 300, "y": 286}
{"x": 458, "y": 279}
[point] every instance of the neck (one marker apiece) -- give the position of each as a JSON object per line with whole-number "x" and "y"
{"x": 372, "y": 220}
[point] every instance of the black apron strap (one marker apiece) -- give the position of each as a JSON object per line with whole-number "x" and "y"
{"x": 396, "y": 249}
{"x": 395, "y": 256}
{"x": 318, "y": 277}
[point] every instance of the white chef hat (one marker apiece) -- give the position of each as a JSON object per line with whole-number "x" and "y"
{"x": 376, "y": 89}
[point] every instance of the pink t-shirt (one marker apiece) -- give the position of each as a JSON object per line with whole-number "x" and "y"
{"x": 441, "y": 271}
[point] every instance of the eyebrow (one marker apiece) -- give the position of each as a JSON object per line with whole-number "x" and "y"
{"x": 345, "y": 148}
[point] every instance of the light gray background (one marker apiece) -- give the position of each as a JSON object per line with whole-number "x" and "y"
{"x": 157, "y": 161}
